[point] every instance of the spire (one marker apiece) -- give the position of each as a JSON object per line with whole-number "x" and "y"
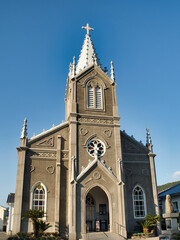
{"x": 112, "y": 71}
{"x": 148, "y": 140}
{"x": 88, "y": 54}
{"x": 24, "y": 129}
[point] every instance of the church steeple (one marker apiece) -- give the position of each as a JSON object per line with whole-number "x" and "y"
{"x": 88, "y": 54}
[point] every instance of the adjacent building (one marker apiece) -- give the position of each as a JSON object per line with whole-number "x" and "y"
{"x": 10, "y": 203}
{"x": 175, "y": 197}
{"x": 3, "y": 218}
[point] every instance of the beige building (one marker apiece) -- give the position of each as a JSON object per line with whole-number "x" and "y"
{"x": 85, "y": 173}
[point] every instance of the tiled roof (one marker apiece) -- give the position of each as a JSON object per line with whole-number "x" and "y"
{"x": 173, "y": 190}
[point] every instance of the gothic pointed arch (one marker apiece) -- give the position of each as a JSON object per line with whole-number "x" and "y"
{"x": 39, "y": 197}
{"x": 96, "y": 136}
{"x": 105, "y": 213}
{"x": 139, "y": 202}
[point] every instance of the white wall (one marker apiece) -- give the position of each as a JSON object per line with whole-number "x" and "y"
{"x": 10, "y": 219}
{"x": 2, "y": 210}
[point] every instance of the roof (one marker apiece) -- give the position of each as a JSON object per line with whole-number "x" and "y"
{"x": 88, "y": 54}
{"x": 4, "y": 208}
{"x": 49, "y": 131}
{"x": 175, "y": 190}
{"x": 11, "y": 198}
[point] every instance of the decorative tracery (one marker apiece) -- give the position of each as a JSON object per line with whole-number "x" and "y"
{"x": 139, "y": 202}
{"x": 94, "y": 96}
{"x": 96, "y": 147}
{"x": 39, "y": 198}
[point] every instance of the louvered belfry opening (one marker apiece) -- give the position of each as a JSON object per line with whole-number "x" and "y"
{"x": 98, "y": 97}
{"x": 90, "y": 97}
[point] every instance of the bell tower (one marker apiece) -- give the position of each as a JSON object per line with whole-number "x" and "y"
{"x": 94, "y": 136}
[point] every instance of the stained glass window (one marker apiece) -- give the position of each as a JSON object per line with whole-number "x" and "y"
{"x": 139, "y": 202}
{"x": 94, "y": 147}
{"x": 38, "y": 198}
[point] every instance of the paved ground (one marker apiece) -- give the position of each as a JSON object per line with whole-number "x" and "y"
{"x": 3, "y": 236}
{"x": 103, "y": 236}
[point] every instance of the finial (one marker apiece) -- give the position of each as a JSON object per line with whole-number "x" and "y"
{"x": 88, "y": 28}
{"x": 105, "y": 70}
{"x": 70, "y": 68}
{"x": 112, "y": 71}
{"x": 74, "y": 67}
{"x": 148, "y": 140}
{"x": 24, "y": 129}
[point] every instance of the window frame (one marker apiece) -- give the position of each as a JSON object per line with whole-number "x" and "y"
{"x": 45, "y": 200}
{"x": 175, "y": 204}
{"x": 144, "y": 200}
{"x": 94, "y": 86}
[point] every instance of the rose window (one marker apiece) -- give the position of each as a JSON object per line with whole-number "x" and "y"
{"x": 96, "y": 148}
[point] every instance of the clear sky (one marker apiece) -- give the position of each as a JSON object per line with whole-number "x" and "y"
{"x": 38, "y": 39}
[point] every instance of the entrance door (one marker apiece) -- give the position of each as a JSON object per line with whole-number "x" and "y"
{"x": 97, "y": 210}
{"x": 90, "y": 213}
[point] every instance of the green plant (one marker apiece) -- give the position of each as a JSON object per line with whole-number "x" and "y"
{"x": 153, "y": 219}
{"x": 43, "y": 226}
{"x": 146, "y": 224}
{"x": 39, "y": 226}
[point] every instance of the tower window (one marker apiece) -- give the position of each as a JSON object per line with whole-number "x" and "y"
{"x": 139, "y": 202}
{"x": 98, "y": 97}
{"x": 94, "y": 97}
{"x": 90, "y": 97}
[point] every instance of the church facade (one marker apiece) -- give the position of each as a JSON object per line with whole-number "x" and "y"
{"x": 86, "y": 174}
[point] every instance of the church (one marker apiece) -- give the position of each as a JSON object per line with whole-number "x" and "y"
{"x": 86, "y": 174}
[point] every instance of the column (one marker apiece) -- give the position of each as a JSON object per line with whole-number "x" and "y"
{"x": 154, "y": 187}
{"x": 19, "y": 189}
{"x": 58, "y": 184}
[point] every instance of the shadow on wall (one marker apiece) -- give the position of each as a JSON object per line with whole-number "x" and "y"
{"x": 1, "y": 224}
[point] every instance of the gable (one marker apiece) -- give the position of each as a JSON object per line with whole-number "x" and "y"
{"x": 48, "y": 138}
{"x": 91, "y": 72}
{"x": 93, "y": 169}
{"x": 130, "y": 145}
{"x": 95, "y": 78}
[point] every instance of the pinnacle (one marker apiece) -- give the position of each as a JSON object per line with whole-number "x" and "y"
{"x": 88, "y": 55}
{"x": 24, "y": 129}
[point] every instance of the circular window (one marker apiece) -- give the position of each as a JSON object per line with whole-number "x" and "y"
{"x": 96, "y": 147}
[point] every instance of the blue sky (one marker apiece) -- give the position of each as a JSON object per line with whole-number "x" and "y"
{"x": 39, "y": 39}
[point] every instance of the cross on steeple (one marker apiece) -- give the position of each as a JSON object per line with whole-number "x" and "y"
{"x": 88, "y": 28}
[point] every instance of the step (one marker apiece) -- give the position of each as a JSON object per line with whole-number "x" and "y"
{"x": 102, "y": 236}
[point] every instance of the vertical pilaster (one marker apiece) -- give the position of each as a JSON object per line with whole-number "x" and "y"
{"x": 154, "y": 186}
{"x": 121, "y": 219}
{"x": 72, "y": 166}
{"x": 72, "y": 185}
{"x": 58, "y": 184}
{"x": 19, "y": 186}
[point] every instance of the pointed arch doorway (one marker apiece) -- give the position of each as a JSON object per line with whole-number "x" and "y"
{"x": 97, "y": 210}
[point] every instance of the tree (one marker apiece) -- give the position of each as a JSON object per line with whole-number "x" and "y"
{"x": 39, "y": 226}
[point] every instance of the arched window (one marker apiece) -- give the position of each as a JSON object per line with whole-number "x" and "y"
{"x": 90, "y": 97}
{"x": 139, "y": 203}
{"x": 94, "y": 97}
{"x": 39, "y": 197}
{"x": 98, "y": 97}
